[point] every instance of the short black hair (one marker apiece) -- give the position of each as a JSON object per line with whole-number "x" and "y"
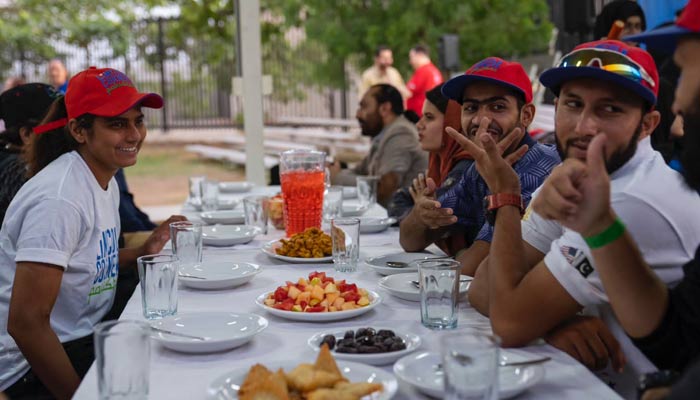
{"x": 421, "y": 48}
{"x": 436, "y": 97}
{"x": 381, "y": 48}
{"x": 383, "y": 93}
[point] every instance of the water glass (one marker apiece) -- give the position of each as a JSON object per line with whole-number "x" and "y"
{"x": 195, "y": 197}
{"x": 367, "y": 190}
{"x": 333, "y": 203}
{"x": 186, "y": 238}
{"x": 345, "y": 237}
{"x": 470, "y": 366}
{"x": 256, "y": 211}
{"x": 210, "y": 195}
{"x": 439, "y": 293}
{"x": 123, "y": 356}
{"x": 158, "y": 278}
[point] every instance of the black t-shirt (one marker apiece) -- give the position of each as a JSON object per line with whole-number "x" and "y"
{"x": 676, "y": 342}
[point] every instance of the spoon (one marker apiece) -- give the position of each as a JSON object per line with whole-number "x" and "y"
{"x": 401, "y": 264}
{"x": 461, "y": 280}
{"x": 533, "y": 361}
{"x": 184, "y": 335}
{"x": 191, "y": 276}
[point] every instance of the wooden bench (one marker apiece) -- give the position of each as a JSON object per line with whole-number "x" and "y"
{"x": 322, "y": 122}
{"x": 234, "y": 156}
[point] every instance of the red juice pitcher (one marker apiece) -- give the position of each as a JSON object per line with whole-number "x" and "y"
{"x": 302, "y": 176}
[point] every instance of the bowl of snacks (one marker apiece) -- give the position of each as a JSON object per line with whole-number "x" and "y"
{"x": 311, "y": 246}
{"x": 368, "y": 345}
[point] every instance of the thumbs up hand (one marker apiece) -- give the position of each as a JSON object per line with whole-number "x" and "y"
{"x": 577, "y": 194}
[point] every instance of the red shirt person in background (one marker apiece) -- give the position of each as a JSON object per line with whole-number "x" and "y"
{"x": 426, "y": 77}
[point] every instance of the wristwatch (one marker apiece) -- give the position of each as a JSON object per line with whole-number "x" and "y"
{"x": 493, "y": 202}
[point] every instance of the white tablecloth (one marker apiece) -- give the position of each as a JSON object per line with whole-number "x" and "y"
{"x": 186, "y": 376}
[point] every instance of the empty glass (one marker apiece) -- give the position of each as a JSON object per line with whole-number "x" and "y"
{"x": 186, "y": 237}
{"x": 256, "y": 211}
{"x": 122, "y": 356}
{"x": 439, "y": 293}
{"x": 345, "y": 237}
{"x": 470, "y": 366}
{"x": 195, "y": 197}
{"x": 210, "y": 195}
{"x": 367, "y": 190}
{"x": 333, "y": 203}
{"x": 158, "y": 278}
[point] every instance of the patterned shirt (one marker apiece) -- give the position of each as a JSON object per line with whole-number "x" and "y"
{"x": 466, "y": 197}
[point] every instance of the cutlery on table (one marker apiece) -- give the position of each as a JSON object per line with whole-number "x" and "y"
{"x": 191, "y": 276}
{"x": 401, "y": 264}
{"x": 522, "y": 363}
{"x": 461, "y": 280}
{"x": 184, "y": 335}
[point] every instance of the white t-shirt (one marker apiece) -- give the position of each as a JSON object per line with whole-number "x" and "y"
{"x": 62, "y": 217}
{"x": 660, "y": 212}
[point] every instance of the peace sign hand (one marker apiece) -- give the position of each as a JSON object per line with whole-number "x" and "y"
{"x": 493, "y": 167}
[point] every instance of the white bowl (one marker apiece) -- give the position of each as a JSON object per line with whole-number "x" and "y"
{"x": 223, "y": 217}
{"x": 226, "y": 386}
{"x": 375, "y": 224}
{"x": 220, "y": 330}
{"x": 349, "y": 192}
{"x": 420, "y": 371}
{"x": 378, "y": 264}
{"x": 228, "y": 235}
{"x": 235, "y": 187}
{"x": 412, "y": 344}
{"x": 374, "y": 300}
{"x": 353, "y": 210}
{"x": 218, "y": 275}
{"x": 401, "y": 286}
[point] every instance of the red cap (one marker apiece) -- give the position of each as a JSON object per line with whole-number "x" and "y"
{"x": 104, "y": 92}
{"x": 554, "y": 77}
{"x": 664, "y": 39}
{"x": 495, "y": 70}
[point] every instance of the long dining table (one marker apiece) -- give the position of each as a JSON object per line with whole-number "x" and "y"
{"x": 175, "y": 375}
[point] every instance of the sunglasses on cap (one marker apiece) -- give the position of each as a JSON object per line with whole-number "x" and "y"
{"x": 607, "y": 60}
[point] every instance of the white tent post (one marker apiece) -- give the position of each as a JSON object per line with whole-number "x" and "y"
{"x": 251, "y": 70}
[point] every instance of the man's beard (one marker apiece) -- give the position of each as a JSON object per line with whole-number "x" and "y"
{"x": 371, "y": 126}
{"x": 690, "y": 156}
{"x": 616, "y": 160}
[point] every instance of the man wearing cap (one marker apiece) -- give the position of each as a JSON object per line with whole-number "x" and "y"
{"x": 540, "y": 274}
{"x": 498, "y": 94}
{"x": 663, "y": 322}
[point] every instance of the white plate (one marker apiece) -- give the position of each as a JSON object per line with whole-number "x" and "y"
{"x": 228, "y": 235}
{"x": 269, "y": 249}
{"x": 222, "y": 204}
{"x": 235, "y": 187}
{"x": 419, "y": 370}
{"x": 221, "y": 330}
{"x": 374, "y": 300}
{"x": 349, "y": 192}
{"x": 375, "y": 224}
{"x": 218, "y": 275}
{"x": 353, "y": 210}
{"x": 400, "y": 285}
{"x": 378, "y": 264}
{"x": 226, "y": 386}
{"x": 223, "y": 217}
{"x": 412, "y": 344}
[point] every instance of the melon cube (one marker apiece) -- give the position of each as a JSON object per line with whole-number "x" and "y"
{"x": 330, "y": 288}
{"x": 317, "y": 293}
{"x": 364, "y": 300}
{"x": 293, "y": 292}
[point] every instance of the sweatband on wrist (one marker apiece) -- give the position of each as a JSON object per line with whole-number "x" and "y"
{"x": 609, "y": 235}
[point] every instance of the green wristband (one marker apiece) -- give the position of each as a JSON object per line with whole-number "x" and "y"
{"x": 609, "y": 235}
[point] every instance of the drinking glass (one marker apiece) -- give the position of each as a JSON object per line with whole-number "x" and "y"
{"x": 345, "y": 237}
{"x": 122, "y": 356}
{"x": 256, "y": 211}
{"x": 367, "y": 190}
{"x": 158, "y": 278}
{"x": 333, "y": 203}
{"x": 470, "y": 366}
{"x": 210, "y": 195}
{"x": 302, "y": 177}
{"x": 195, "y": 197}
{"x": 439, "y": 293}
{"x": 186, "y": 237}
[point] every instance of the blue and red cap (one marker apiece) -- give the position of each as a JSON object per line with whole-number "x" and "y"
{"x": 665, "y": 38}
{"x": 608, "y": 60}
{"x": 494, "y": 70}
{"x": 103, "y": 92}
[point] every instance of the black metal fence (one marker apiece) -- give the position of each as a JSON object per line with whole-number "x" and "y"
{"x": 197, "y": 92}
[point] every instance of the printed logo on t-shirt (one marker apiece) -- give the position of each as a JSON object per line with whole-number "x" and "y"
{"x": 577, "y": 259}
{"x": 107, "y": 263}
